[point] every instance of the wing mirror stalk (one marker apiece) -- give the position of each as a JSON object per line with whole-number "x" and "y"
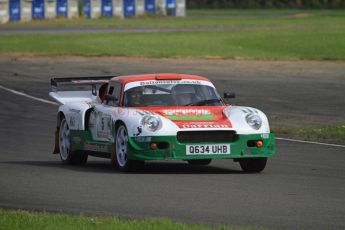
{"x": 229, "y": 95}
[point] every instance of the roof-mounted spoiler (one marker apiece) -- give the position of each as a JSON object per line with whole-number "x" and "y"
{"x": 56, "y": 82}
{"x": 67, "y": 81}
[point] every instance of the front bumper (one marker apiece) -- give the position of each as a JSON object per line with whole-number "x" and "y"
{"x": 139, "y": 148}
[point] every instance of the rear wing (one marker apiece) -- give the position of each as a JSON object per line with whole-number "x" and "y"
{"x": 66, "y": 96}
{"x": 70, "y": 81}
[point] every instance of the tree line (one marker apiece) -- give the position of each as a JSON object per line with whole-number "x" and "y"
{"x": 304, "y": 4}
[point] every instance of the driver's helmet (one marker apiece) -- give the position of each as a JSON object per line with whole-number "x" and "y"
{"x": 133, "y": 96}
{"x": 102, "y": 91}
{"x": 184, "y": 93}
{"x": 183, "y": 89}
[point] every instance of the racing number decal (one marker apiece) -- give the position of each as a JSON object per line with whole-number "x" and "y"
{"x": 104, "y": 127}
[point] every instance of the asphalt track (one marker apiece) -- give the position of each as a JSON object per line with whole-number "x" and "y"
{"x": 301, "y": 188}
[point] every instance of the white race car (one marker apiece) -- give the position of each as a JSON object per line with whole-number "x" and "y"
{"x": 133, "y": 119}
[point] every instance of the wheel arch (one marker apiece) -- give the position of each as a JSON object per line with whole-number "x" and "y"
{"x": 60, "y": 116}
{"x": 87, "y": 118}
{"x": 117, "y": 125}
{"x": 74, "y": 113}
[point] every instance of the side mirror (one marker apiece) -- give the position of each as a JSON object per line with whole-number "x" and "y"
{"x": 229, "y": 95}
{"x": 109, "y": 97}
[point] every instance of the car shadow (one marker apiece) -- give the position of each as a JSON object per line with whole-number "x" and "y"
{"x": 149, "y": 168}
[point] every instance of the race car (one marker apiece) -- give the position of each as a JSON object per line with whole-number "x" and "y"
{"x": 137, "y": 118}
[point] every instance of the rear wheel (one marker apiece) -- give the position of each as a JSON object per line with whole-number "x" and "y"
{"x": 66, "y": 154}
{"x": 200, "y": 162}
{"x": 253, "y": 164}
{"x": 120, "y": 158}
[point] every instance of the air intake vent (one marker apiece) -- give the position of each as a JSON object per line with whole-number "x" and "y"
{"x": 206, "y": 136}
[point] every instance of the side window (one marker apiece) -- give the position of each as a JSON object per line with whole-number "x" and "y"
{"x": 114, "y": 90}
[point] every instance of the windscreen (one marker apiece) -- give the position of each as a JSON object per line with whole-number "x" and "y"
{"x": 174, "y": 94}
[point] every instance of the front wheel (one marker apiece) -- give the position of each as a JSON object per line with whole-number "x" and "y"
{"x": 254, "y": 165}
{"x": 121, "y": 160}
{"x": 66, "y": 154}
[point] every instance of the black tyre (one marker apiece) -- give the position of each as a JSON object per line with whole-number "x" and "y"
{"x": 66, "y": 154}
{"x": 254, "y": 165}
{"x": 200, "y": 162}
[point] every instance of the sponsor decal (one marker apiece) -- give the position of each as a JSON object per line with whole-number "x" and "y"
{"x": 140, "y": 129}
{"x": 104, "y": 127}
{"x": 164, "y": 82}
{"x": 121, "y": 111}
{"x": 189, "y": 118}
{"x": 95, "y": 147}
{"x": 189, "y": 114}
{"x": 196, "y": 125}
{"x": 89, "y": 81}
{"x": 130, "y": 112}
{"x": 144, "y": 112}
{"x": 143, "y": 83}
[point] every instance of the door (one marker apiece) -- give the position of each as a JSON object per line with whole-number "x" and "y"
{"x": 129, "y": 8}
{"x": 150, "y": 7}
{"x": 103, "y": 115}
{"x": 87, "y": 8}
{"x": 61, "y": 8}
{"x": 107, "y": 8}
{"x": 171, "y": 7}
{"x": 38, "y": 9}
{"x": 14, "y": 10}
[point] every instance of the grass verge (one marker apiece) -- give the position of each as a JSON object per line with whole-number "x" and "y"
{"x": 18, "y": 220}
{"x": 273, "y": 44}
{"x": 205, "y": 18}
{"x": 255, "y": 34}
{"x": 326, "y": 134}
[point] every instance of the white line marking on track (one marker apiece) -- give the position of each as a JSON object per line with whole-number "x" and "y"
{"x": 54, "y": 103}
{"x": 309, "y": 142}
{"x": 28, "y": 96}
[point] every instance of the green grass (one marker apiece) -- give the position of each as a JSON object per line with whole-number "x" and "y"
{"x": 257, "y": 34}
{"x": 225, "y": 17}
{"x": 328, "y": 134}
{"x": 315, "y": 44}
{"x": 19, "y": 220}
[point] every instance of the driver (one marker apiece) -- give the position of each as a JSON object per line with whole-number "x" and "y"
{"x": 102, "y": 91}
{"x": 134, "y": 97}
{"x": 184, "y": 94}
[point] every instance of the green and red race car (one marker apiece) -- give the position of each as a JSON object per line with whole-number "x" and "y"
{"x": 138, "y": 118}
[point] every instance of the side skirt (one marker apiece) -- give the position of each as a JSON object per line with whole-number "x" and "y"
{"x": 82, "y": 141}
{"x": 98, "y": 154}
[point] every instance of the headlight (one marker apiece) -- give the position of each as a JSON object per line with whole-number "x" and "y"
{"x": 150, "y": 122}
{"x": 254, "y": 121}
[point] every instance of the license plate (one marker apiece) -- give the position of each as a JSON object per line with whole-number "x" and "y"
{"x": 207, "y": 149}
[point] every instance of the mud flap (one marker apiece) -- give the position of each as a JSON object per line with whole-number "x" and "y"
{"x": 56, "y": 145}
